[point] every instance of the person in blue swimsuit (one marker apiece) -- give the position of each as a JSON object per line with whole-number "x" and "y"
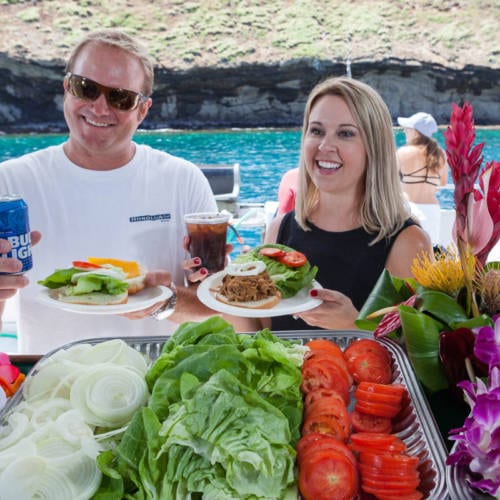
{"x": 350, "y": 217}
{"x": 423, "y": 169}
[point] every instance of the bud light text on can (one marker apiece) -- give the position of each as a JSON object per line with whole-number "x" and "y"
{"x": 15, "y": 227}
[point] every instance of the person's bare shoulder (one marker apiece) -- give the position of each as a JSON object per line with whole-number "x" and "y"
{"x": 272, "y": 230}
{"x": 408, "y": 152}
{"x": 410, "y": 243}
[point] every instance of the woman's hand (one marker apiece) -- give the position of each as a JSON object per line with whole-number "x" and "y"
{"x": 335, "y": 313}
{"x": 192, "y": 274}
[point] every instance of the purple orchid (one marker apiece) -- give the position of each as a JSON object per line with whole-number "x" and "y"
{"x": 478, "y": 441}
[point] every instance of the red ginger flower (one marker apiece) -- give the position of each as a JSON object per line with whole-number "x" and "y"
{"x": 464, "y": 160}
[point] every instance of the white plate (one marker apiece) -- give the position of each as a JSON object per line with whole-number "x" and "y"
{"x": 301, "y": 302}
{"x": 145, "y": 298}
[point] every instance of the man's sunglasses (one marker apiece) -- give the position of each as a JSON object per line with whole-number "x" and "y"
{"x": 84, "y": 88}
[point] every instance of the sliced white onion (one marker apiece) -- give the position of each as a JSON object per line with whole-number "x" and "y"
{"x": 72, "y": 427}
{"x": 22, "y": 448}
{"x": 252, "y": 268}
{"x": 31, "y": 477}
{"x": 48, "y": 411}
{"x": 108, "y": 395}
{"x": 118, "y": 352}
{"x": 16, "y": 427}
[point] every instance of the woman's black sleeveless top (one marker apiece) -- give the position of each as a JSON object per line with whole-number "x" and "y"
{"x": 346, "y": 261}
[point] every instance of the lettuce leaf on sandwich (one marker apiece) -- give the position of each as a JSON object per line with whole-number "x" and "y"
{"x": 85, "y": 283}
{"x": 288, "y": 280}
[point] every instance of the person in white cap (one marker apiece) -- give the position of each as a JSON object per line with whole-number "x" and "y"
{"x": 423, "y": 168}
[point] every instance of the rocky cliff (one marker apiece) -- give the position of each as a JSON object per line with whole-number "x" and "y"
{"x": 254, "y": 95}
{"x": 252, "y": 63}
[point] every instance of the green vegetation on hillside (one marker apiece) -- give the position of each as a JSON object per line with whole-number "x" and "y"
{"x": 182, "y": 34}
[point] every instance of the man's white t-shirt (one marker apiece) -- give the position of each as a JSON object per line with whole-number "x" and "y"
{"x": 133, "y": 213}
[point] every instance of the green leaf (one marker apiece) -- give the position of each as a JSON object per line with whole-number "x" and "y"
{"x": 483, "y": 320}
{"x": 388, "y": 291}
{"x": 421, "y": 335}
{"x": 441, "y": 307}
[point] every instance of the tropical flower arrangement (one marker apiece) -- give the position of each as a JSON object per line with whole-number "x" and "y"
{"x": 448, "y": 315}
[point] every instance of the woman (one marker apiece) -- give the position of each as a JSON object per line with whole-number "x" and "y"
{"x": 350, "y": 216}
{"x": 423, "y": 168}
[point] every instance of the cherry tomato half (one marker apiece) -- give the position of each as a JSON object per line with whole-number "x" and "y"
{"x": 293, "y": 259}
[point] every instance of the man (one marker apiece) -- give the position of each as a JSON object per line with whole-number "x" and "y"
{"x": 100, "y": 194}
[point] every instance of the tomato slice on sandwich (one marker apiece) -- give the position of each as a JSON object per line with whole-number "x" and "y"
{"x": 293, "y": 259}
{"x": 81, "y": 264}
{"x": 272, "y": 252}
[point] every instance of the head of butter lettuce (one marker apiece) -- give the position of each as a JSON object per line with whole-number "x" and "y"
{"x": 86, "y": 282}
{"x": 288, "y": 280}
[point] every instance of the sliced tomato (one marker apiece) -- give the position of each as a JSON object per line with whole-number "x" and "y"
{"x": 377, "y": 409}
{"x": 333, "y": 407}
{"x": 313, "y": 396}
{"x": 376, "y": 473}
{"x": 361, "y": 422}
{"x": 82, "y": 264}
{"x": 403, "y": 486}
{"x": 320, "y": 373}
{"x": 377, "y": 397}
{"x": 395, "y": 389}
{"x": 376, "y": 442}
{"x": 330, "y": 358}
{"x": 293, "y": 259}
{"x": 373, "y": 439}
{"x": 273, "y": 252}
{"x": 315, "y": 441}
{"x": 381, "y": 492}
{"x": 370, "y": 366}
{"x": 325, "y": 345}
{"x": 392, "y": 461}
{"x": 327, "y": 474}
{"x": 325, "y": 424}
{"x": 360, "y": 346}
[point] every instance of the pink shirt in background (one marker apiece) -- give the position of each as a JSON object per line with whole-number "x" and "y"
{"x": 287, "y": 190}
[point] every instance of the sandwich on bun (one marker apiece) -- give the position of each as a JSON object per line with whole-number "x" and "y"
{"x": 248, "y": 285}
{"x": 97, "y": 281}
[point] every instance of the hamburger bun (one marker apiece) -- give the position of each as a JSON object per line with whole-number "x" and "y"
{"x": 91, "y": 299}
{"x": 266, "y": 303}
{"x": 137, "y": 283}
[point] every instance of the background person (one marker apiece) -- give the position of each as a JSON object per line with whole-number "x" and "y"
{"x": 423, "y": 168}
{"x": 350, "y": 217}
{"x": 101, "y": 194}
{"x": 287, "y": 191}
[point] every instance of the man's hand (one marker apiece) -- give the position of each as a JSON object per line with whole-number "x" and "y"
{"x": 11, "y": 283}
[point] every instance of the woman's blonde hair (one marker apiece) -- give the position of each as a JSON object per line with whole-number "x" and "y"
{"x": 123, "y": 41}
{"x": 383, "y": 210}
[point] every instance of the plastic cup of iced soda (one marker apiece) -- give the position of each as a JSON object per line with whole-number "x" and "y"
{"x": 207, "y": 233}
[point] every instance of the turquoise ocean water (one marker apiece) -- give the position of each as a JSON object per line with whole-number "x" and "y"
{"x": 264, "y": 155}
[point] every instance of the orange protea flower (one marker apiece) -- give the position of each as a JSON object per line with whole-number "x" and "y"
{"x": 443, "y": 272}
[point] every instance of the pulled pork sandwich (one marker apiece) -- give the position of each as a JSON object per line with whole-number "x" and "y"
{"x": 248, "y": 285}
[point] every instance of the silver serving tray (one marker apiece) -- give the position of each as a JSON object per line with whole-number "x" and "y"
{"x": 416, "y": 425}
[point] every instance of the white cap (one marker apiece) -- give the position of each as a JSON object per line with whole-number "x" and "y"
{"x": 423, "y": 122}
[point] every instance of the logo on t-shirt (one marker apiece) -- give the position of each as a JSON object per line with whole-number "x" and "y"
{"x": 150, "y": 218}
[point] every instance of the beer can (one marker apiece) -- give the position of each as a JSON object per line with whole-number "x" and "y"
{"x": 15, "y": 227}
